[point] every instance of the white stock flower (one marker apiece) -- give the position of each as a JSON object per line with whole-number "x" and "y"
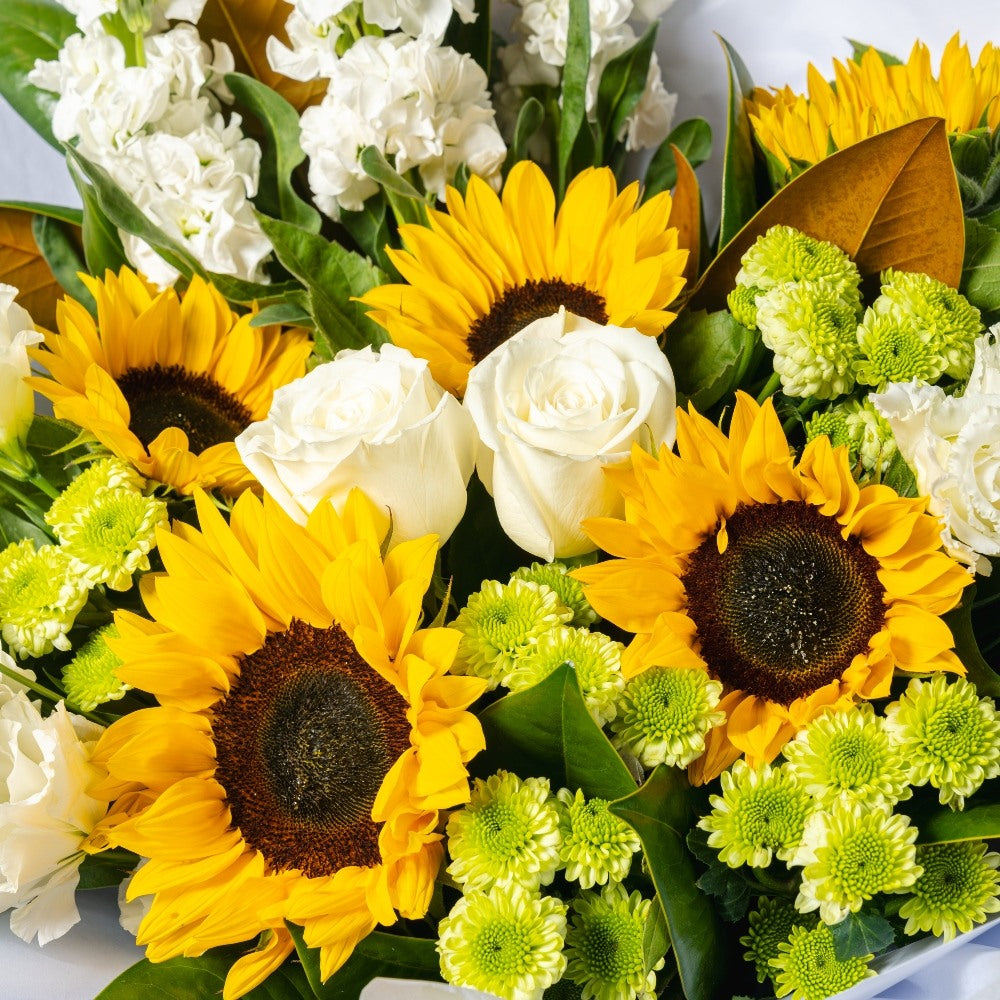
{"x": 17, "y": 401}
{"x": 87, "y": 12}
{"x": 311, "y": 51}
{"x": 649, "y": 124}
{"x": 545, "y": 25}
{"x": 377, "y": 421}
{"x": 556, "y": 404}
{"x": 952, "y": 443}
{"x": 45, "y": 811}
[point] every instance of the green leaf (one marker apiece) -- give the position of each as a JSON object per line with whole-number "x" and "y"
{"x": 574, "y": 86}
{"x": 979, "y": 672}
{"x": 333, "y": 276}
{"x": 860, "y": 934}
{"x": 281, "y": 151}
{"x": 14, "y": 527}
{"x": 529, "y": 121}
{"x": 292, "y": 312}
{"x": 244, "y": 292}
{"x": 900, "y": 476}
{"x": 369, "y": 228}
{"x": 60, "y": 251}
{"x": 109, "y": 868}
{"x": 694, "y": 139}
{"x": 733, "y": 888}
{"x": 405, "y": 200}
{"x": 661, "y": 814}
{"x": 860, "y": 48}
{"x": 621, "y": 86}
{"x": 74, "y": 216}
{"x": 474, "y": 39}
{"x": 739, "y": 185}
{"x": 102, "y": 245}
{"x": 30, "y": 30}
{"x": 52, "y": 445}
{"x": 709, "y": 353}
{"x": 379, "y": 954}
{"x": 548, "y": 732}
{"x": 980, "y": 282}
{"x": 938, "y": 824}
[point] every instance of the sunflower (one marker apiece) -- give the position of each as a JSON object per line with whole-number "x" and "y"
{"x": 307, "y": 738}
{"x": 166, "y": 382}
{"x": 795, "y": 588}
{"x": 867, "y": 97}
{"x": 487, "y": 267}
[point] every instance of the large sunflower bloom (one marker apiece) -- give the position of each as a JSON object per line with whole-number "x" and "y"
{"x": 166, "y": 382}
{"x": 307, "y": 739}
{"x": 487, "y": 267}
{"x": 784, "y": 580}
{"x": 867, "y": 97}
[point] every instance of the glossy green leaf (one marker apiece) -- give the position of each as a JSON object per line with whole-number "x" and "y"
{"x": 547, "y": 732}
{"x": 661, "y": 814}
{"x": 57, "y": 243}
{"x": 980, "y": 282}
{"x": 860, "y": 934}
{"x": 621, "y": 86}
{"x": 30, "y": 30}
{"x": 739, "y": 185}
{"x": 900, "y": 476}
{"x": 53, "y": 445}
{"x": 109, "y": 868}
{"x": 292, "y": 312}
{"x": 860, "y": 48}
{"x": 529, "y": 121}
{"x": 574, "y": 87}
{"x": 369, "y": 228}
{"x": 102, "y": 244}
{"x": 694, "y": 139}
{"x": 281, "y": 151}
{"x": 405, "y": 200}
{"x": 62, "y": 213}
{"x": 245, "y": 292}
{"x": 936, "y": 823}
{"x": 14, "y": 526}
{"x": 986, "y": 679}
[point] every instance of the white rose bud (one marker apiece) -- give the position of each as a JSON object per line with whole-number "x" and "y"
{"x": 374, "y": 421}
{"x": 555, "y": 405}
{"x": 17, "y": 401}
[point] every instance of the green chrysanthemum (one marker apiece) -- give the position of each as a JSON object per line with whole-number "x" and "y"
{"x": 500, "y": 623}
{"x": 786, "y": 256}
{"x": 832, "y": 424}
{"x": 106, "y": 524}
{"x": 90, "y": 678}
{"x": 871, "y": 434}
{"x": 848, "y": 755}
{"x": 596, "y": 658}
{"x": 507, "y": 834}
{"x": 958, "y": 888}
{"x": 850, "y": 853}
{"x": 508, "y": 942}
{"x": 895, "y": 351}
{"x": 555, "y": 576}
{"x": 807, "y": 966}
{"x": 814, "y": 339}
{"x": 664, "y": 714}
{"x": 770, "y": 925}
{"x": 39, "y": 598}
{"x": 597, "y": 846}
{"x": 742, "y": 302}
{"x": 604, "y": 946}
{"x": 761, "y": 814}
{"x": 949, "y": 736}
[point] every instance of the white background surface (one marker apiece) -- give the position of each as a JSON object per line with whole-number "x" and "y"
{"x": 776, "y": 39}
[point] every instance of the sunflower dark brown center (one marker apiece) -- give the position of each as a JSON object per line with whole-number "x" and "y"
{"x": 523, "y": 304}
{"x": 160, "y": 397}
{"x": 788, "y": 605}
{"x": 303, "y": 741}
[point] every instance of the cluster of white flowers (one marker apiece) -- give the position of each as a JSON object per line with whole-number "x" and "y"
{"x": 423, "y": 105}
{"x": 159, "y": 132}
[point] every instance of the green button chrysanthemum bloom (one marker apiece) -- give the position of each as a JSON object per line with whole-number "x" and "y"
{"x": 90, "y": 678}
{"x": 604, "y": 946}
{"x": 871, "y": 434}
{"x": 555, "y": 575}
{"x": 848, "y": 755}
{"x": 814, "y": 339}
{"x": 850, "y": 853}
{"x": 770, "y": 925}
{"x": 39, "y": 596}
{"x": 832, "y": 424}
{"x": 664, "y": 714}
{"x": 508, "y": 942}
{"x": 597, "y": 846}
{"x": 507, "y": 834}
{"x": 949, "y": 736}
{"x": 786, "y": 256}
{"x": 595, "y": 657}
{"x": 742, "y": 302}
{"x": 807, "y": 966}
{"x": 760, "y": 814}
{"x": 958, "y": 888}
{"x": 500, "y": 623}
{"x": 895, "y": 351}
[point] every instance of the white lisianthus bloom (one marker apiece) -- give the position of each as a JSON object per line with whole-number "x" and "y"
{"x": 377, "y": 421}
{"x": 17, "y": 401}
{"x": 45, "y": 811}
{"x": 555, "y": 405}
{"x": 952, "y": 443}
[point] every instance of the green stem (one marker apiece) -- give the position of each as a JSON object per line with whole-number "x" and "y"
{"x": 31, "y": 685}
{"x": 41, "y": 483}
{"x": 22, "y": 497}
{"x": 770, "y": 387}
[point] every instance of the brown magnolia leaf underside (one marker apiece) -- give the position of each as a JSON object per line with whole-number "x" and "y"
{"x": 245, "y": 26}
{"x": 889, "y": 201}
{"x": 685, "y": 214}
{"x": 22, "y": 266}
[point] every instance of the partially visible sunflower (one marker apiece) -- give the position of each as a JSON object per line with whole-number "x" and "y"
{"x": 784, "y": 580}
{"x": 486, "y": 268}
{"x": 166, "y": 382}
{"x": 867, "y": 97}
{"x": 307, "y": 740}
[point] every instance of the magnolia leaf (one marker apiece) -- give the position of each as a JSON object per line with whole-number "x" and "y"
{"x": 739, "y": 184}
{"x": 59, "y": 244}
{"x": 23, "y": 266}
{"x": 889, "y": 201}
{"x": 685, "y": 214}
{"x": 981, "y": 269}
{"x": 622, "y": 84}
{"x": 694, "y": 139}
{"x": 245, "y": 26}
{"x": 574, "y": 86}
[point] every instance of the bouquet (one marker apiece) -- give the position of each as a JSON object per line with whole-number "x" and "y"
{"x": 444, "y": 558}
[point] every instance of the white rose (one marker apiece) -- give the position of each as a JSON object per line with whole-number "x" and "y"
{"x": 556, "y": 404}
{"x": 17, "y": 401}
{"x": 952, "y": 443}
{"x": 45, "y": 811}
{"x": 375, "y": 421}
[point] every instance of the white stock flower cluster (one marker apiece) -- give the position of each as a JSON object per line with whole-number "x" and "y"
{"x": 87, "y": 12}
{"x": 424, "y": 106}
{"x": 159, "y": 132}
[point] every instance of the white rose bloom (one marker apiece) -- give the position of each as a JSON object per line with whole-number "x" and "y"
{"x": 45, "y": 811}
{"x": 952, "y": 443}
{"x": 555, "y": 405}
{"x": 17, "y": 401}
{"x": 377, "y": 421}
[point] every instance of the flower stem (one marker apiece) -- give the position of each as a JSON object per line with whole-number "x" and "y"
{"x": 770, "y": 387}
{"x": 39, "y": 689}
